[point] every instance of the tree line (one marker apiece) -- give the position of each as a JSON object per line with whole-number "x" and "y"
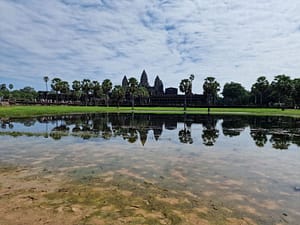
{"x": 281, "y": 91}
{"x": 92, "y": 91}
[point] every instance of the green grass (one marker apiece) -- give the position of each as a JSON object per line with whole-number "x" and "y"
{"x": 31, "y": 111}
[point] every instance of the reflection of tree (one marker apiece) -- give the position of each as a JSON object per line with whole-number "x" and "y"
{"x": 280, "y": 141}
{"x": 131, "y": 127}
{"x": 296, "y": 140}
{"x": 61, "y": 128}
{"x": 259, "y": 136}
{"x": 131, "y": 136}
{"x": 210, "y": 136}
{"x": 185, "y": 135}
{"x": 29, "y": 122}
{"x": 233, "y": 126}
{"x": 210, "y": 133}
{"x": 106, "y": 132}
{"x": 76, "y": 128}
{"x": 59, "y": 131}
{"x": 4, "y": 124}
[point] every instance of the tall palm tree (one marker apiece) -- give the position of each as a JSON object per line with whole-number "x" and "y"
{"x": 76, "y": 86}
{"x": 64, "y": 88}
{"x": 96, "y": 90}
{"x": 260, "y": 87}
{"x": 10, "y": 86}
{"x": 106, "y": 88}
{"x": 185, "y": 86}
{"x": 118, "y": 93}
{"x": 86, "y": 86}
{"x": 46, "y": 79}
{"x": 3, "y": 87}
{"x": 142, "y": 92}
{"x": 132, "y": 89}
{"x": 282, "y": 87}
{"x": 296, "y": 91}
{"x": 56, "y": 86}
{"x": 210, "y": 90}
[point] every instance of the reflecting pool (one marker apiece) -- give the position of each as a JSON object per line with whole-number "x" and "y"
{"x": 150, "y": 169}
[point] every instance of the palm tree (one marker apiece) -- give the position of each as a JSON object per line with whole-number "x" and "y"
{"x": 76, "y": 86}
{"x": 46, "y": 79}
{"x": 210, "y": 90}
{"x": 96, "y": 90}
{"x": 86, "y": 87}
{"x": 56, "y": 86}
{"x": 3, "y": 87}
{"x": 185, "y": 86}
{"x": 106, "y": 88}
{"x": 185, "y": 135}
{"x": 142, "y": 92}
{"x": 118, "y": 93}
{"x": 132, "y": 89}
{"x": 10, "y": 86}
{"x": 282, "y": 87}
{"x": 64, "y": 88}
{"x": 296, "y": 92}
{"x": 260, "y": 87}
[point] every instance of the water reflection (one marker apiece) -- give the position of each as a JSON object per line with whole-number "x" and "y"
{"x": 280, "y": 132}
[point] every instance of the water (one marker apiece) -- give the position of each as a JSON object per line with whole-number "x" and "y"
{"x": 155, "y": 169}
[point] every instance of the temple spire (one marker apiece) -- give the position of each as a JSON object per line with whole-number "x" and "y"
{"x": 124, "y": 82}
{"x": 158, "y": 86}
{"x": 144, "y": 80}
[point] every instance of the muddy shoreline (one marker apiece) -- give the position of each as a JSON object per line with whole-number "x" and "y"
{"x": 39, "y": 196}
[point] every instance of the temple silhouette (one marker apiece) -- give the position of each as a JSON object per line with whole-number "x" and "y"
{"x": 158, "y": 96}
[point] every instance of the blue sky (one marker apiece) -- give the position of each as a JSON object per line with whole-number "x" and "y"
{"x": 231, "y": 40}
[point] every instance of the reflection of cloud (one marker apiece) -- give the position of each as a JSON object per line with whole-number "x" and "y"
{"x": 231, "y": 40}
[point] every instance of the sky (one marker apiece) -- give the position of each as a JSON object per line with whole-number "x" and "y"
{"x": 231, "y": 40}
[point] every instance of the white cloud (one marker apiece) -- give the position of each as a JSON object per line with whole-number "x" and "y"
{"x": 231, "y": 40}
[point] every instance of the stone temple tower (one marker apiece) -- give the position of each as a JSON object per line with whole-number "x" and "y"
{"x": 124, "y": 82}
{"x": 144, "y": 80}
{"x": 158, "y": 86}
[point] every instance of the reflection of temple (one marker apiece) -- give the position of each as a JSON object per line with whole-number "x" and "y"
{"x": 169, "y": 96}
{"x": 280, "y": 132}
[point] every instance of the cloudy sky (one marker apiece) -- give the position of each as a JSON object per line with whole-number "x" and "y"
{"x": 232, "y": 40}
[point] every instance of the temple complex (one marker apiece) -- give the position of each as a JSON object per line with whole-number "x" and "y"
{"x": 158, "y": 96}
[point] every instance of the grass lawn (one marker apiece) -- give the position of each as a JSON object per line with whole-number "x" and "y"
{"x": 30, "y": 111}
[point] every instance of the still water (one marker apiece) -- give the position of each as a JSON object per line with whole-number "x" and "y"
{"x": 151, "y": 169}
